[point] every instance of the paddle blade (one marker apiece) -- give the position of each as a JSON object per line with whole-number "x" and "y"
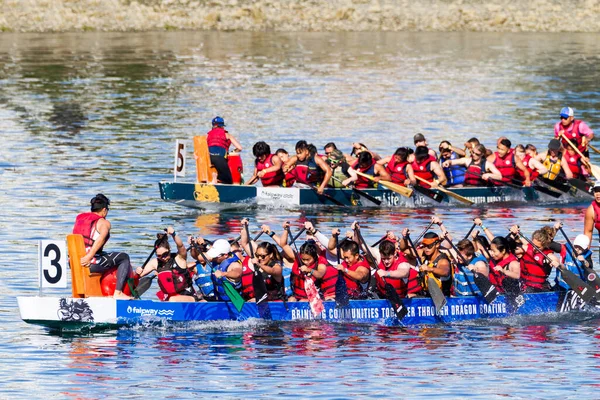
{"x": 548, "y": 191}
{"x": 234, "y": 296}
{"x": 429, "y": 193}
{"x": 583, "y": 290}
{"x": 144, "y": 284}
{"x": 595, "y": 170}
{"x": 488, "y": 291}
{"x": 341, "y": 291}
{"x": 439, "y": 300}
{"x": 260, "y": 288}
{"x": 397, "y": 303}
{"x": 314, "y": 300}
{"x": 402, "y": 190}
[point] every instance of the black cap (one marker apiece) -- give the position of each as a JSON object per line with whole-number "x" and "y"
{"x": 418, "y": 138}
{"x": 554, "y": 144}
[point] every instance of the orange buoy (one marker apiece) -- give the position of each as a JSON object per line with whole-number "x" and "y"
{"x": 108, "y": 282}
{"x": 236, "y": 167}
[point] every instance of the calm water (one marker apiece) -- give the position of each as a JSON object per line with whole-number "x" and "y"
{"x": 88, "y": 113}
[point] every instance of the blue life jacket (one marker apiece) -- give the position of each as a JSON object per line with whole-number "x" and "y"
{"x": 572, "y": 265}
{"x": 464, "y": 281}
{"x": 455, "y": 174}
{"x": 204, "y": 281}
{"x": 218, "y": 282}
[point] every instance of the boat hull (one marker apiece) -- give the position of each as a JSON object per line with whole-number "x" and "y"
{"x": 199, "y": 195}
{"x": 100, "y": 312}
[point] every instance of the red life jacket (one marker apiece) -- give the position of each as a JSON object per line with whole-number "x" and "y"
{"x": 506, "y": 166}
{"x": 85, "y": 225}
{"x": 397, "y": 171}
{"x": 328, "y": 281}
{"x": 298, "y": 277}
{"x": 355, "y": 288}
{"x": 574, "y": 162}
{"x": 274, "y": 178}
{"x": 403, "y": 286}
{"x": 533, "y": 173}
{"x": 362, "y": 182}
{"x": 307, "y": 171}
{"x": 217, "y": 137}
{"x": 497, "y": 277}
{"x": 474, "y": 172}
{"x": 574, "y": 136}
{"x": 247, "y": 290}
{"x": 423, "y": 170}
{"x": 596, "y": 208}
{"x": 172, "y": 279}
{"x": 534, "y": 269}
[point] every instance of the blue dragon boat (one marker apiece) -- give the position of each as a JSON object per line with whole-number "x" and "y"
{"x": 98, "y": 313}
{"x": 203, "y": 195}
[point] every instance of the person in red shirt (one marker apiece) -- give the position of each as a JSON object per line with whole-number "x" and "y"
{"x": 218, "y": 141}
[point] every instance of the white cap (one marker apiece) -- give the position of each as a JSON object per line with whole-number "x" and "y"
{"x": 582, "y": 241}
{"x": 219, "y": 247}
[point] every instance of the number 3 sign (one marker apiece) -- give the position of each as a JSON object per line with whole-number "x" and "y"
{"x": 52, "y": 264}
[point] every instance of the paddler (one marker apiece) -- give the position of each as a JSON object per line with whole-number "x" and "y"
{"x": 308, "y": 168}
{"x": 267, "y": 166}
{"x": 577, "y": 131}
{"x": 535, "y": 268}
{"x": 367, "y": 165}
{"x": 455, "y": 174}
{"x": 218, "y": 141}
{"x": 95, "y": 229}
{"x": 173, "y": 273}
{"x": 434, "y": 263}
{"x": 592, "y": 214}
{"x": 467, "y": 263}
{"x": 554, "y": 161}
{"x": 355, "y": 269}
{"x": 394, "y": 268}
{"x": 339, "y": 168}
{"x": 398, "y": 167}
{"x": 226, "y": 266}
{"x": 479, "y": 171}
{"x": 507, "y": 163}
{"x": 528, "y": 156}
{"x": 426, "y": 167}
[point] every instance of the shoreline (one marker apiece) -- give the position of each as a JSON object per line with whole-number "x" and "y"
{"x": 299, "y": 16}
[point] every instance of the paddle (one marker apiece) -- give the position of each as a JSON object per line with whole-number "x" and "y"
{"x": 437, "y": 196}
{"x": 583, "y": 289}
{"x": 391, "y": 294}
{"x": 470, "y": 230}
{"x": 429, "y": 225}
{"x": 594, "y": 169}
{"x": 326, "y": 196}
{"x": 488, "y": 291}
{"x": 361, "y": 193}
{"x": 258, "y": 280}
{"x": 592, "y": 276}
{"x": 237, "y": 239}
{"x": 342, "y": 299}
{"x": 297, "y": 235}
{"x": 394, "y": 187}
{"x": 379, "y": 241}
{"x": 236, "y": 299}
{"x": 593, "y": 148}
{"x": 448, "y": 192}
{"x": 434, "y": 290}
{"x": 314, "y": 300}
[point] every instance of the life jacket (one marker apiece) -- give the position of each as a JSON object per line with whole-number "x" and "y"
{"x": 533, "y": 173}
{"x": 464, "y": 279}
{"x": 506, "y": 166}
{"x": 534, "y": 269}
{"x": 355, "y": 288}
{"x": 574, "y": 163}
{"x": 444, "y": 282}
{"x": 553, "y": 167}
{"x": 247, "y": 291}
{"x": 172, "y": 279}
{"x": 474, "y": 172}
{"x": 218, "y": 144}
{"x": 218, "y": 282}
{"x": 307, "y": 171}
{"x": 362, "y": 182}
{"x": 573, "y": 134}
{"x": 85, "y": 225}
{"x": 402, "y": 286}
{"x": 397, "y": 171}
{"x": 571, "y": 264}
{"x": 274, "y": 178}
{"x": 298, "y": 277}
{"x": 423, "y": 170}
{"x": 204, "y": 280}
{"x": 290, "y": 178}
{"x": 596, "y": 208}
{"x": 497, "y": 278}
{"x": 327, "y": 283}
{"x": 340, "y": 174}
{"x": 455, "y": 174}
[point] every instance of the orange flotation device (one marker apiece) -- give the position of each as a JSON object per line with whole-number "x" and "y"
{"x": 236, "y": 167}
{"x": 108, "y": 282}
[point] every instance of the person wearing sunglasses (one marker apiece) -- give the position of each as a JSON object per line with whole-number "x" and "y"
{"x": 577, "y": 131}
{"x": 95, "y": 229}
{"x": 227, "y": 265}
{"x": 479, "y": 171}
{"x": 435, "y": 264}
{"x": 173, "y": 273}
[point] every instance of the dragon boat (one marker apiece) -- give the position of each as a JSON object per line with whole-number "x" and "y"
{"x": 203, "y": 195}
{"x": 98, "y": 313}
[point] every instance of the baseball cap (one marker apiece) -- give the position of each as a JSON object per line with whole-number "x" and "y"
{"x": 566, "y": 112}
{"x": 419, "y": 137}
{"x": 582, "y": 241}
{"x": 219, "y": 247}
{"x": 554, "y": 144}
{"x": 596, "y": 187}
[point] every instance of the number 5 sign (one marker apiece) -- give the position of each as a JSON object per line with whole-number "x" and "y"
{"x": 52, "y": 264}
{"x": 179, "y": 167}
